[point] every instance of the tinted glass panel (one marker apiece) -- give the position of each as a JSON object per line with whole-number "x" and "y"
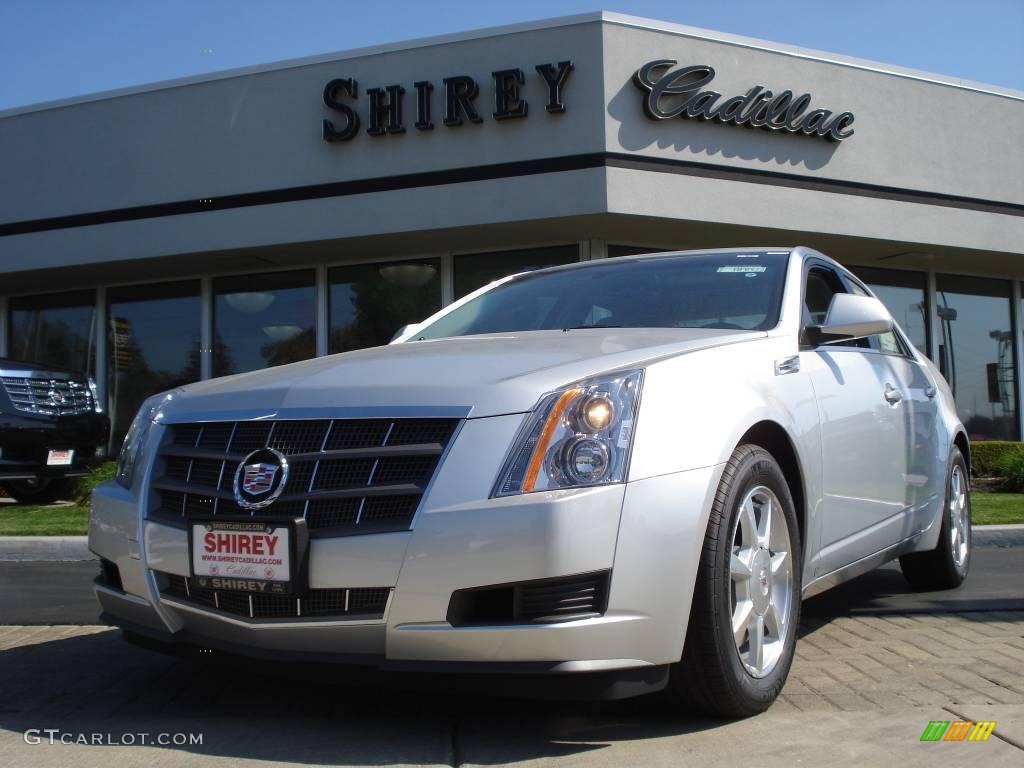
{"x": 976, "y": 354}
{"x": 263, "y": 320}
{"x": 478, "y": 269}
{"x": 903, "y": 294}
{"x": 696, "y": 291}
{"x": 369, "y": 302}
{"x": 821, "y": 286}
{"x": 154, "y": 346}
{"x": 56, "y": 329}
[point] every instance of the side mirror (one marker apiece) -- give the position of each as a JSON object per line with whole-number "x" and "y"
{"x": 409, "y": 328}
{"x": 851, "y": 317}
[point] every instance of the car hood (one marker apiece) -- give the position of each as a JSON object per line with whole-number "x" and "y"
{"x": 484, "y": 375}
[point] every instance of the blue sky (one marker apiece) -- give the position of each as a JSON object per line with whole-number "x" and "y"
{"x": 51, "y": 49}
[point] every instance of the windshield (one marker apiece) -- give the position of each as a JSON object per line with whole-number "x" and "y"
{"x": 739, "y": 290}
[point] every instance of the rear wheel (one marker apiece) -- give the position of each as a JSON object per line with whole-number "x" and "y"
{"x": 38, "y": 491}
{"x": 746, "y": 604}
{"x": 945, "y": 567}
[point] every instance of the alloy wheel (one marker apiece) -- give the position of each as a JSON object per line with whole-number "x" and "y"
{"x": 959, "y": 517}
{"x": 761, "y": 573}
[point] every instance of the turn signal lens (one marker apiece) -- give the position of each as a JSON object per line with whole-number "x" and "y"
{"x": 577, "y": 436}
{"x": 550, "y": 425}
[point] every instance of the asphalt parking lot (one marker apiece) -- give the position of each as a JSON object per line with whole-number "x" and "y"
{"x": 875, "y": 663}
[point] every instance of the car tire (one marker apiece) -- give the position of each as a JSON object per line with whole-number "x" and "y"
{"x": 39, "y": 491}
{"x": 749, "y": 578}
{"x": 946, "y": 566}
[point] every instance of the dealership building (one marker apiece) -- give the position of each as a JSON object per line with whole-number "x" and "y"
{"x": 218, "y": 224}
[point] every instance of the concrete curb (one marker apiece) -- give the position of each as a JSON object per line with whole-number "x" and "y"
{"x": 998, "y": 535}
{"x": 50, "y": 548}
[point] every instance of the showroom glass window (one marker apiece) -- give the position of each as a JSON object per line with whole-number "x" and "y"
{"x": 370, "y": 302}
{"x": 904, "y": 295}
{"x": 263, "y": 320}
{"x": 475, "y": 270}
{"x": 154, "y": 342}
{"x": 976, "y": 353}
{"x": 55, "y": 329}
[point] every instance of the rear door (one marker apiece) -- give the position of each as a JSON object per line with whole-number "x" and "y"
{"x": 864, "y": 436}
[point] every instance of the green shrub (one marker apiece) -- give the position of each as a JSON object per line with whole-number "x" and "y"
{"x": 1011, "y": 469}
{"x": 98, "y": 474}
{"x": 987, "y": 456}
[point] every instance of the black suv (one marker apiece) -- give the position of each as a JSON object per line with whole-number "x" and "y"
{"x": 51, "y": 430}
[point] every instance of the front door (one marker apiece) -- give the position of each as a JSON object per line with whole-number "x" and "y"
{"x": 865, "y": 438}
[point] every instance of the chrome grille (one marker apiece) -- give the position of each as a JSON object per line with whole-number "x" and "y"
{"x": 50, "y": 397}
{"x": 346, "y": 476}
{"x": 357, "y": 603}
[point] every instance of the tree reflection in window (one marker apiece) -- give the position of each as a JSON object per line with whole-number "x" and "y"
{"x": 263, "y": 320}
{"x": 370, "y": 302}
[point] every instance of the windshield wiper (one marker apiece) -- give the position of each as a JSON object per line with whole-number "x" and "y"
{"x": 595, "y": 325}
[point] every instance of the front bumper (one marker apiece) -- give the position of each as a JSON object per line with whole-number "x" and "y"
{"x": 25, "y": 441}
{"x": 647, "y": 534}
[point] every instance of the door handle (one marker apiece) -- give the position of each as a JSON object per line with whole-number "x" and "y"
{"x": 930, "y": 391}
{"x": 892, "y": 395}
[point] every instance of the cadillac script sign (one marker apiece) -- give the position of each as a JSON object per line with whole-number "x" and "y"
{"x": 680, "y": 93}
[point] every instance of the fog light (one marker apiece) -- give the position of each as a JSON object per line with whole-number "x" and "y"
{"x": 585, "y": 460}
{"x": 596, "y": 413}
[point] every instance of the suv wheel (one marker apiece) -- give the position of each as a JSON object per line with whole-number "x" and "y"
{"x": 38, "y": 491}
{"x": 746, "y": 604}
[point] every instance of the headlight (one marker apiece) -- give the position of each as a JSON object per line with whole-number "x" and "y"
{"x": 135, "y": 440}
{"x": 578, "y": 436}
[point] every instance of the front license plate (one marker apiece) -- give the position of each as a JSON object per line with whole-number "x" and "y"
{"x": 245, "y": 556}
{"x": 60, "y": 458}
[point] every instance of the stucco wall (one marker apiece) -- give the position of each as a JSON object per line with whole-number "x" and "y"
{"x": 256, "y": 131}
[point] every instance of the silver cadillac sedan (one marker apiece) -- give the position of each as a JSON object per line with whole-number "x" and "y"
{"x": 617, "y": 476}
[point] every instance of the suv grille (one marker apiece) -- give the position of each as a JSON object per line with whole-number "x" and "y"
{"x": 361, "y": 603}
{"x": 51, "y": 397}
{"x": 346, "y": 476}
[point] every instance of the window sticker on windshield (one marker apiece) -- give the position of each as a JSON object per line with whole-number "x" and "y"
{"x": 745, "y": 269}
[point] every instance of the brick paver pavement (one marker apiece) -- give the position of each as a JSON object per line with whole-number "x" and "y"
{"x": 859, "y": 663}
{"x": 850, "y": 663}
{"x": 860, "y": 693}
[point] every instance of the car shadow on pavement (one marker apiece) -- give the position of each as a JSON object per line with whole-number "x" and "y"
{"x": 97, "y": 684}
{"x": 992, "y": 586}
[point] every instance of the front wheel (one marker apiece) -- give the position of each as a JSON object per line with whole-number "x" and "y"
{"x": 945, "y": 567}
{"x": 746, "y": 603}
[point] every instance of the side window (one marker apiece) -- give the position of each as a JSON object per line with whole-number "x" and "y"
{"x": 822, "y": 284}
